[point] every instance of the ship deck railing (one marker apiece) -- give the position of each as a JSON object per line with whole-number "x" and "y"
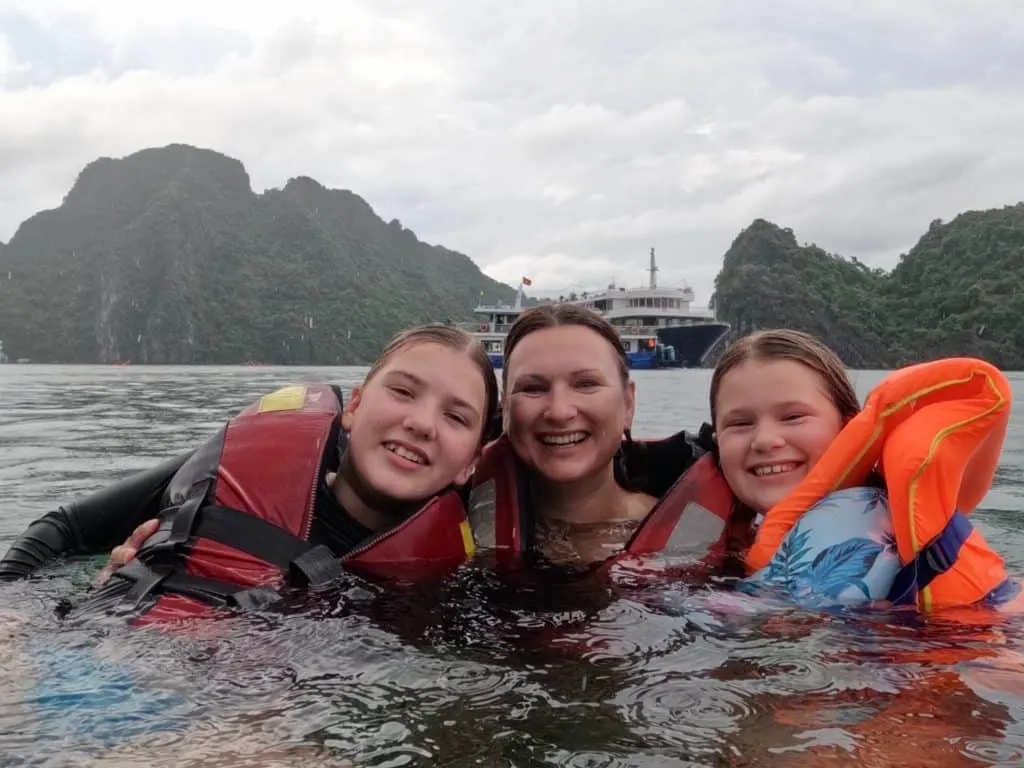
{"x": 501, "y": 328}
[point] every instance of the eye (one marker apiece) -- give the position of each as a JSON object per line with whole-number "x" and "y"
{"x": 737, "y": 424}
{"x": 458, "y": 418}
{"x": 793, "y": 416}
{"x": 400, "y": 391}
{"x": 588, "y": 383}
{"x": 529, "y": 389}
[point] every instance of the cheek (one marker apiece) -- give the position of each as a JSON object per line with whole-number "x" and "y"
{"x": 731, "y": 456}
{"x": 608, "y": 410}
{"x": 818, "y": 441}
{"x": 521, "y": 413}
{"x": 463, "y": 449}
{"x": 371, "y": 420}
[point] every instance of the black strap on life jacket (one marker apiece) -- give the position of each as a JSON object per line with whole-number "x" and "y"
{"x": 147, "y": 581}
{"x": 158, "y": 568}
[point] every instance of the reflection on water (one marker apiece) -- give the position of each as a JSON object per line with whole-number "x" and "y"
{"x": 543, "y": 669}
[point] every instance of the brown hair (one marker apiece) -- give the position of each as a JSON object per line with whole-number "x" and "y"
{"x": 787, "y": 344}
{"x": 453, "y": 338}
{"x": 555, "y": 315}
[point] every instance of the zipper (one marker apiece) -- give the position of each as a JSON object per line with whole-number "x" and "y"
{"x": 385, "y": 534}
{"x": 307, "y": 526}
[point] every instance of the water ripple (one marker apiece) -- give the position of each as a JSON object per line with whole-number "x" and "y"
{"x": 687, "y": 713}
{"x": 522, "y": 669}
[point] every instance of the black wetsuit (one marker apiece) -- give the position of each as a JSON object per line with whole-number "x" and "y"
{"x": 96, "y": 524}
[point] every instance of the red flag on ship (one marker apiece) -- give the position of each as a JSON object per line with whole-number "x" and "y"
{"x": 527, "y": 281}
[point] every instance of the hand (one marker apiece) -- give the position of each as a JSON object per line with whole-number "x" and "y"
{"x": 123, "y": 553}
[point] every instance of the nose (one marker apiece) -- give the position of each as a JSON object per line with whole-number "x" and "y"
{"x": 767, "y": 437}
{"x": 560, "y": 405}
{"x": 420, "y": 420}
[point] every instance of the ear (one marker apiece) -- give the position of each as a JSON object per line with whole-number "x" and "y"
{"x": 463, "y": 477}
{"x": 467, "y": 472}
{"x": 348, "y": 414}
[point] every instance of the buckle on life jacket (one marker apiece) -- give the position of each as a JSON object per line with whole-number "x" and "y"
{"x": 150, "y": 581}
{"x": 178, "y": 523}
{"x": 317, "y": 569}
{"x": 937, "y": 557}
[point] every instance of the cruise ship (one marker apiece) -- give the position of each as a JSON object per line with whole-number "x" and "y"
{"x": 658, "y": 326}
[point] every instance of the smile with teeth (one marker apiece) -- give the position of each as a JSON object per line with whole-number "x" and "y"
{"x": 774, "y": 469}
{"x": 405, "y": 453}
{"x": 569, "y": 438}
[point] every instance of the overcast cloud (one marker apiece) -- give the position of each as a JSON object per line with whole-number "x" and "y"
{"x": 556, "y": 139}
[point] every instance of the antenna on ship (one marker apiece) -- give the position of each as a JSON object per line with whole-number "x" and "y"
{"x": 653, "y": 270}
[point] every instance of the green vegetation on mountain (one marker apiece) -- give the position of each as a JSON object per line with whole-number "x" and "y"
{"x": 167, "y": 256}
{"x": 958, "y": 291}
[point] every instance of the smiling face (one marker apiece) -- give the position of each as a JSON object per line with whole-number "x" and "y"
{"x": 414, "y": 426}
{"x": 566, "y": 404}
{"x": 774, "y": 420}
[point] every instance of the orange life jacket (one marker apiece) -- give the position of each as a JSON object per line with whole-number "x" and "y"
{"x": 934, "y": 431}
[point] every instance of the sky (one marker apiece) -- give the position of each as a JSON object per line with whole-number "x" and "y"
{"x": 554, "y": 139}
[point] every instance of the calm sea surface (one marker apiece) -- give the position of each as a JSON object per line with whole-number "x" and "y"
{"x": 478, "y": 671}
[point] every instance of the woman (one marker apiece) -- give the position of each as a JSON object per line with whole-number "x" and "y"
{"x": 238, "y": 512}
{"x": 567, "y": 480}
{"x": 568, "y": 403}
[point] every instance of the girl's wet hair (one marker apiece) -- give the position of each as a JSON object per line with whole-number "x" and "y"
{"x": 555, "y": 315}
{"x": 453, "y": 338}
{"x": 787, "y": 344}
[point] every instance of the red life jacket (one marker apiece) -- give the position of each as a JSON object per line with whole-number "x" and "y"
{"x": 688, "y": 534}
{"x": 692, "y": 519}
{"x": 240, "y": 512}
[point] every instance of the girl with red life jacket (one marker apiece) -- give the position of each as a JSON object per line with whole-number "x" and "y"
{"x": 293, "y": 485}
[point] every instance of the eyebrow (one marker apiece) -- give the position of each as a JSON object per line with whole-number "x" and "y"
{"x": 577, "y": 372}
{"x": 458, "y": 402}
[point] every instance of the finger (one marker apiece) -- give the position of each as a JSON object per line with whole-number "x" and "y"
{"x": 140, "y": 534}
{"x": 122, "y": 554}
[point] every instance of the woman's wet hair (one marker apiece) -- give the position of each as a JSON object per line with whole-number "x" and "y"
{"x": 557, "y": 315}
{"x": 787, "y": 344}
{"x": 453, "y": 338}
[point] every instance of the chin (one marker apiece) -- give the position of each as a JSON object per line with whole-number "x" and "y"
{"x": 568, "y": 474}
{"x": 397, "y": 489}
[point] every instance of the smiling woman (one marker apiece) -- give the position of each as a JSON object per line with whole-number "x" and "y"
{"x": 568, "y": 403}
{"x": 567, "y": 483}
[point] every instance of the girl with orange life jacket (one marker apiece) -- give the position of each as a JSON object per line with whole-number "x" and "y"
{"x": 295, "y": 486}
{"x": 861, "y": 505}
{"x": 865, "y": 505}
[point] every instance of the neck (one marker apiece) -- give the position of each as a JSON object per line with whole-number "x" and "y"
{"x": 367, "y": 507}
{"x": 593, "y": 499}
